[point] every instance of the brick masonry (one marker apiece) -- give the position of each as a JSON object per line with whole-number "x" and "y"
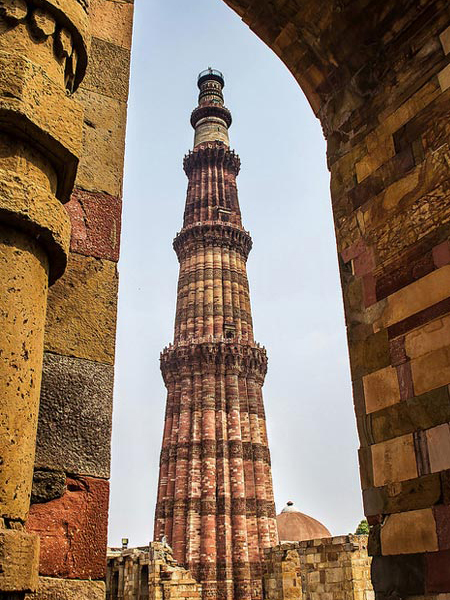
{"x": 215, "y": 500}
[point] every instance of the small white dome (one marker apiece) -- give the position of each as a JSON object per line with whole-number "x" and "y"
{"x": 290, "y": 507}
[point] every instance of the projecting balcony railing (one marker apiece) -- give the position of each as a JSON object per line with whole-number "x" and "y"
{"x": 211, "y": 74}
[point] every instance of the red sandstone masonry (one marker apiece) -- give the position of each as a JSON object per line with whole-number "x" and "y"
{"x": 215, "y": 497}
{"x": 73, "y": 530}
{"x": 96, "y": 223}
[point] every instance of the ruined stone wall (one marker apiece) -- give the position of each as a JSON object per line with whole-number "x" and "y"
{"x": 337, "y": 568}
{"x": 377, "y": 74}
{"x": 149, "y": 573}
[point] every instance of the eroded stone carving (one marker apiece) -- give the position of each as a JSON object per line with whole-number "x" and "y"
{"x": 43, "y": 21}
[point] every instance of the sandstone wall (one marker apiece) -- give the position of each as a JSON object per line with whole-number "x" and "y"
{"x": 377, "y": 74}
{"x": 71, "y": 490}
{"x": 331, "y": 568}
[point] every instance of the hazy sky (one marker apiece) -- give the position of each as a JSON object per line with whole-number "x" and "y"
{"x": 293, "y": 269}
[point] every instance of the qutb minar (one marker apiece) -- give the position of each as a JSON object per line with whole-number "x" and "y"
{"x": 215, "y": 497}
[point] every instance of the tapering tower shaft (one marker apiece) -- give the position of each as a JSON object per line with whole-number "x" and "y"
{"x": 215, "y": 499}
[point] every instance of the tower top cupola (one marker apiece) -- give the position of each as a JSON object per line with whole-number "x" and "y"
{"x": 211, "y": 119}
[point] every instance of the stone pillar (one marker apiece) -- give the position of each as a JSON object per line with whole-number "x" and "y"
{"x": 43, "y": 57}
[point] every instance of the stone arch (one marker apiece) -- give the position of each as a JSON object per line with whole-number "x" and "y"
{"x": 377, "y": 75}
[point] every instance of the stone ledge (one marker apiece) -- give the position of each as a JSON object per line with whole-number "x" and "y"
{"x": 62, "y": 589}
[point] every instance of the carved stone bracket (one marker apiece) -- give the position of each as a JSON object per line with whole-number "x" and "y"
{"x": 65, "y": 22}
{"x": 212, "y": 154}
{"x": 211, "y": 110}
{"x": 213, "y": 233}
{"x": 240, "y": 359}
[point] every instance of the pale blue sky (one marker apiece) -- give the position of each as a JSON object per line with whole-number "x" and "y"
{"x": 293, "y": 269}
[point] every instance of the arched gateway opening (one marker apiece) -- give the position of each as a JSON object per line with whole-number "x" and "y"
{"x": 377, "y": 75}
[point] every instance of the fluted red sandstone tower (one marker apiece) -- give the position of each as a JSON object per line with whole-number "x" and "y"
{"x": 215, "y": 498}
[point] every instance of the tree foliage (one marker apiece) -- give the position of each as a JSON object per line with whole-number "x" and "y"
{"x": 363, "y": 528}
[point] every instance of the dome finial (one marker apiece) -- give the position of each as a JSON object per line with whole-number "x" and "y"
{"x": 289, "y": 507}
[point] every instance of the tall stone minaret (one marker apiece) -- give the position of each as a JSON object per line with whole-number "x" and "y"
{"x": 215, "y": 499}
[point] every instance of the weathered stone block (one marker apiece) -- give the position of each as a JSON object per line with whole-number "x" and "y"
{"x": 101, "y": 166}
{"x": 371, "y": 354}
{"x": 47, "y": 485}
{"x": 381, "y": 389}
{"x": 108, "y": 70}
{"x": 379, "y": 152}
{"x": 394, "y": 460}
{"x": 419, "y": 413}
{"x": 23, "y": 291}
{"x": 441, "y": 254}
{"x": 438, "y": 573}
{"x": 438, "y": 441}
{"x": 444, "y": 78}
{"x": 402, "y": 274}
{"x": 414, "y": 494}
{"x": 28, "y": 205}
{"x": 366, "y": 467}
{"x": 54, "y": 121}
{"x": 409, "y": 533}
{"x": 112, "y": 21}
{"x": 63, "y": 589}
{"x": 19, "y": 557}
{"x": 445, "y": 40}
{"x": 73, "y": 530}
{"x": 74, "y": 430}
{"x": 442, "y": 517}
{"x": 96, "y": 223}
{"x": 417, "y": 296}
{"x": 402, "y": 575}
{"x": 81, "y": 314}
{"x": 431, "y": 370}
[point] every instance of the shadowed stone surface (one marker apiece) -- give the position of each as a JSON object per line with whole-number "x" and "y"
{"x": 75, "y": 416}
{"x": 47, "y": 485}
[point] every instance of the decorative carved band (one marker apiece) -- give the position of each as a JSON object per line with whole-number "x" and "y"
{"x": 250, "y": 507}
{"x": 68, "y": 30}
{"x": 210, "y": 110}
{"x": 219, "y": 357}
{"x": 215, "y": 449}
{"x": 212, "y": 154}
{"x": 212, "y": 233}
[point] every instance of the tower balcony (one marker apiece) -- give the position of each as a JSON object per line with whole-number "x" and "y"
{"x": 209, "y": 74}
